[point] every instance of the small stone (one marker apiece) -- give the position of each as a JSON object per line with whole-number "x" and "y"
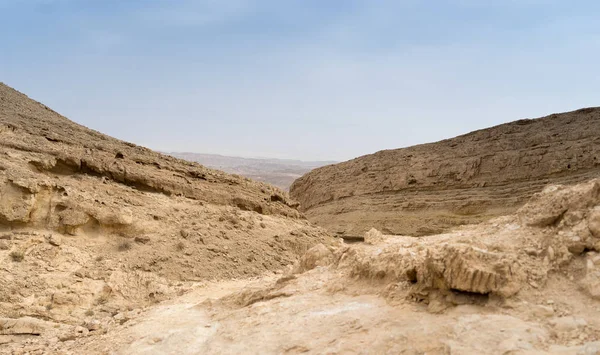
{"x": 184, "y": 233}
{"x": 142, "y": 240}
{"x": 55, "y": 239}
{"x": 67, "y": 337}
{"x": 577, "y": 248}
{"x": 531, "y": 252}
{"x": 543, "y": 311}
{"x": 4, "y": 245}
{"x": 92, "y": 325}
{"x": 550, "y": 253}
{"x": 589, "y": 265}
{"x": 373, "y": 236}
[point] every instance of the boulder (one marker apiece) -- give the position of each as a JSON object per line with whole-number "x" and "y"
{"x": 373, "y": 236}
{"x": 319, "y": 255}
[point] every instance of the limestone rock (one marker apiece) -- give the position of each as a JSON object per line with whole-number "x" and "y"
{"x": 113, "y": 216}
{"x": 590, "y": 284}
{"x": 64, "y": 298}
{"x": 430, "y": 188}
{"x": 73, "y": 217}
{"x": 92, "y": 325}
{"x": 594, "y": 222}
{"x": 58, "y": 177}
{"x": 543, "y": 311}
{"x": 319, "y": 255}
{"x": 373, "y": 236}
{"x": 142, "y": 239}
{"x": 55, "y": 239}
{"x": 16, "y": 202}
{"x": 548, "y": 206}
{"x": 470, "y": 269}
{"x": 22, "y": 326}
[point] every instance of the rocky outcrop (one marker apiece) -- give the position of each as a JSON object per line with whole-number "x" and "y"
{"x": 38, "y": 142}
{"x": 430, "y": 188}
{"x": 501, "y": 257}
{"x": 91, "y": 226}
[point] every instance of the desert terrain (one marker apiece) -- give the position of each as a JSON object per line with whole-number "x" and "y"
{"x": 110, "y": 248}
{"x": 431, "y": 188}
{"x": 277, "y": 172}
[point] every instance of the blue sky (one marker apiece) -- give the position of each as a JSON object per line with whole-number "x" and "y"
{"x": 308, "y": 79}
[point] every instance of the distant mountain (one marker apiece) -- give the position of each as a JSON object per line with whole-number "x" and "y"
{"x": 278, "y": 172}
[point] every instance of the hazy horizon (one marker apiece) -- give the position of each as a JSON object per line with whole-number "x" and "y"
{"x": 252, "y": 157}
{"x": 302, "y": 80}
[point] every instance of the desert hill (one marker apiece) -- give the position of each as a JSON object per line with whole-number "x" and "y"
{"x": 110, "y": 248}
{"x": 91, "y": 226}
{"x": 430, "y": 188}
{"x": 278, "y": 172}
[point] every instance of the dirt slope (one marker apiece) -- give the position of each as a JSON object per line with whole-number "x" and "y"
{"x": 528, "y": 283}
{"x": 91, "y": 226}
{"x": 429, "y": 188}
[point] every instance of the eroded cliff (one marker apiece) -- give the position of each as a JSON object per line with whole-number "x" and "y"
{"x": 91, "y": 226}
{"x": 430, "y": 188}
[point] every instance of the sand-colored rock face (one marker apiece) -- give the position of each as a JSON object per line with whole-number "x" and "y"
{"x": 430, "y": 188}
{"x": 91, "y": 226}
{"x": 505, "y": 286}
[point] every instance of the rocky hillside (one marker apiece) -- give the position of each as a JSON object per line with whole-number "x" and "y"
{"x": 527, "y": 283}
{"x": 429, "y": 188}
{"x": 91, "y": 226}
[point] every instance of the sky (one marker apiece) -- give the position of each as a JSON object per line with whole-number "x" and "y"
{"x": 301, "y": 79}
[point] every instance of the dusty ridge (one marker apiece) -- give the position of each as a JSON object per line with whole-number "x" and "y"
{"x": 91, "y": 226}
{"x": 60, "y": 146}
{"x": 429, "y": 188}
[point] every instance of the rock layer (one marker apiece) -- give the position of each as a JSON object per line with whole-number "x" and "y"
{"x": 430, "y": 188}
{"x": 91, "y": 226}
